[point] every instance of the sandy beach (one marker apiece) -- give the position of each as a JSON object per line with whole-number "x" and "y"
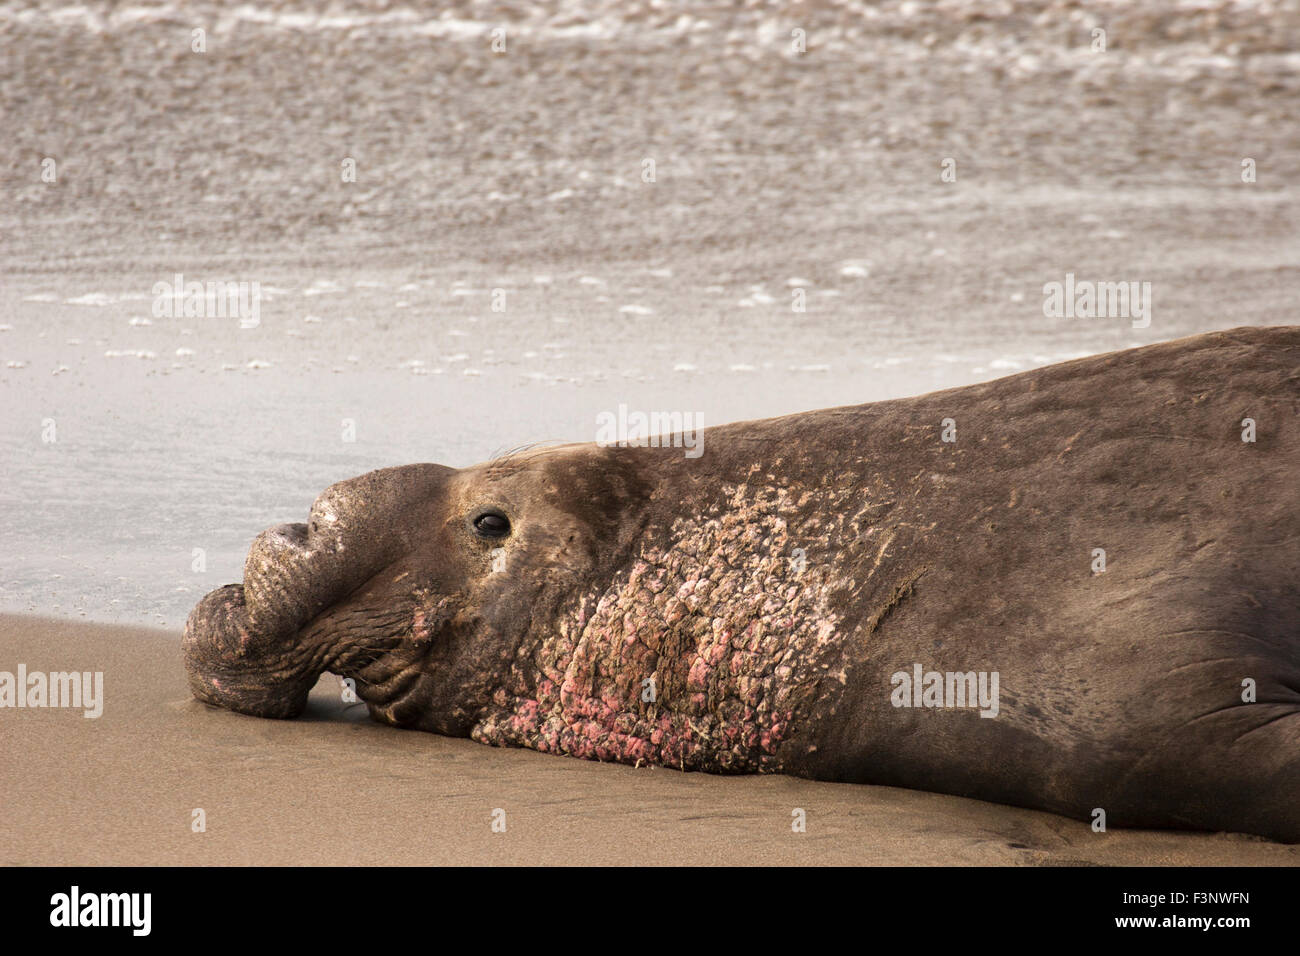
{"x": 334, "y": 788}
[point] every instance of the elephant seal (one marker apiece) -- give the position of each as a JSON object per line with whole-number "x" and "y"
{"x": 1108, "y": 569}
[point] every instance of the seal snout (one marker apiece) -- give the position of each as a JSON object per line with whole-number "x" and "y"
{"x": 290, "y": 576}
{"x": 255, "y": 647}
{"x": 242, "y": 648}
{"x": 231, "y": 666}
{"x": 290, "y": 536}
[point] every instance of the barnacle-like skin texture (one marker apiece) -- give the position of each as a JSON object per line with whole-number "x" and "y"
{"x": 748, "y": 608}
{"x": 702, "y": 655}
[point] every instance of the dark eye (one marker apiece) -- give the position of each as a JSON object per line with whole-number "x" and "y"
{"x": 492, "y": 524}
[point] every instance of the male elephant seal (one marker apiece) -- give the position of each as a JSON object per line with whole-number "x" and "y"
{"x": 768, "y": 606}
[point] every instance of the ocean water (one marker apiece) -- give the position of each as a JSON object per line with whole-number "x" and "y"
{"x": 142, "y": 454}
{"x": 501, "y": 271}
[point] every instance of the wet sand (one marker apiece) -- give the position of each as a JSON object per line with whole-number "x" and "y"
{"x": 335, "y": 788}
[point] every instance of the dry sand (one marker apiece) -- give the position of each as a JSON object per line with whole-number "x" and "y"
{"x": 334, "y": 788}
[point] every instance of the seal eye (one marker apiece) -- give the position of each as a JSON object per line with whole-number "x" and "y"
{"x": 492, "y": 524}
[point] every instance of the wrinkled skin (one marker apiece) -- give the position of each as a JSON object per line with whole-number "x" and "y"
{"x": 745, "y": 611}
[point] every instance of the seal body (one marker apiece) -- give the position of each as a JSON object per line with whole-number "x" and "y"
{"x": 1073, "y": 589}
